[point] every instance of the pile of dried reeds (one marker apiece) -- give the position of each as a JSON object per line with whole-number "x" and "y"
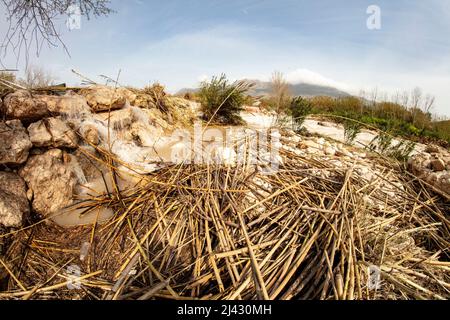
{"x": 215, "y": 232}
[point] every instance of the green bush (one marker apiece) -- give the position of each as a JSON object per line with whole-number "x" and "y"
{"x": 386, "y": 116}
{"x": 299, "y": 109}
{"x": 410, "y": 129}
{"x": 402, "y": 150}
{"x": 383, "y": 143}
{"x": 351, "y": 130}
{"x": 349, "y": 104}
{"x": 222, "y": 101}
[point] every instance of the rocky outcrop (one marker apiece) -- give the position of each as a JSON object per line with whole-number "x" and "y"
{"x": 103, "y": 98}
{"x": 14, "y": 143}
{"x": 52, "y": 177}
{"x": 24, "y": 106}
{"x": 29, "y": 107}
{"x": 13, "y": 200}
{"x": 69, "y": 105}
{"x": 140, "y": 126}
{"x": 52, "y": 132}
{"x": 432, "y": 166}
{"x": 182, "y": 111}
{"x": 129, "y": 95}
{"x": 55, "y": 176}
{"x": 90, "y": 134}
{"x": 86, "y": 157}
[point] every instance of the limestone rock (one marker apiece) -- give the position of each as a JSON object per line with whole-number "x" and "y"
{"x": 118, "y": 119}
{"x": 419, "y": 164}
{"x": 103, "y": 98}
{"x": 444, "y": 181}
{"x": 14, "y": 143}
{"x": 132, "y": 124}
{"x": 13, "y": 200}
{"x": 71, "y": 105}
{"x": 90, "y": 134}
{"x": 52, "y": 178}
{"x": 440, "y": 180}
{"x": 29, "y": 108}
{"x": 24, "y": 106}
{"x": 52, "y": 132}
{"x": 433, "y": 167}
{"x": 438, "y": 165}
{"x": 129, "y": 95}
{"x": 432, "y": 149}
{"x": 86, "y": 157}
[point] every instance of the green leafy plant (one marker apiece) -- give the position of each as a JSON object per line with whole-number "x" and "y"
{"x": 402, "y": 150}
{"x": 396, "y": 116}
{"x": 351, "y": 130}
{"x": 222, "y": 101}
{"x": 299, "y": 109}
{"x": 383, "y": 143}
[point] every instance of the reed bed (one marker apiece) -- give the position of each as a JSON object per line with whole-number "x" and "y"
{"x": 311, "y": 230}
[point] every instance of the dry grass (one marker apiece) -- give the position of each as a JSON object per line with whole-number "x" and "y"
{"x": 173, "y": 109}
{"x": 216, "y": 232}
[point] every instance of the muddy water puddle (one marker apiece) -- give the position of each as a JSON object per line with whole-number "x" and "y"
{"x": 214, "y": 144}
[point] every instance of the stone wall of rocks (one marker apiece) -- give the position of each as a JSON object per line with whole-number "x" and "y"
{"x": 45, "y": 139}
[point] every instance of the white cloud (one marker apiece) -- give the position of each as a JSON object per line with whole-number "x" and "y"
{"x": 312, "y": 77}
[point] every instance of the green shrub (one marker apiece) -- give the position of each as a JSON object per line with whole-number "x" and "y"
{"x": 410, "y": 129}
{"x": 351, "y": 130}
{"x": 222, "y": 101}
{"x": 299, "y": 109}
{"x": 383, "y": 143}
{"x": 323, "y": 104}
{"x": 349, "y": 104}
{"x": 402, "y": 150}
{"x": 387, "y": 116}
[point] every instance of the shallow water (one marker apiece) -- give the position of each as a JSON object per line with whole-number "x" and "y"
{"x": 75, "y": 216}
{"x": 154, "y": 150}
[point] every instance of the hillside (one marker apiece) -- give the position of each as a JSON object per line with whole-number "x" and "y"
{"x": 262, "y": 88}
{"x": 300, "y": 89}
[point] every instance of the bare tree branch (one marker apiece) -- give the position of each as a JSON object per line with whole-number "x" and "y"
{"x": 33, "y": 23}
{"x": 37, "y": 77}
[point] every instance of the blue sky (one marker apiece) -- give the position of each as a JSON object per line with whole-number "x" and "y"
{"x": 326, "y": 42}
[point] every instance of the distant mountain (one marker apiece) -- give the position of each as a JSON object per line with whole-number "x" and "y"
{"x": 183, "y": 91}
{"x": 301, "y": 89}
{"x": 262, "y": 88}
